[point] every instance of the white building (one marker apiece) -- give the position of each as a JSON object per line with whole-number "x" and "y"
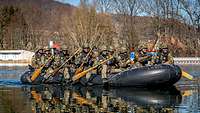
{"x": 15, "y": 57}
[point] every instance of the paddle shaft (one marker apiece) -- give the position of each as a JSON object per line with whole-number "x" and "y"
{"x": 56, "y": 70}
{"x": 187, "y": 75}
{"x": 81, "y": 66}
{"x": 78, "y": 76}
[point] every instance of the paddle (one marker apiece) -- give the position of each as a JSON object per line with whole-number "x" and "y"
{"x": 187, "y": 75}
{"x": 80, "y": 69}
{"x": 37, "y": 72}
{"x": 82, "y": 100}
{"x": 156, "y": 43}
{"x": 36, "y": 96}
{"x": 78, "y": 76}
{"x": 57, "y": 69}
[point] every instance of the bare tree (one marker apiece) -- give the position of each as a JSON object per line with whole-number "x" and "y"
{"x": 87, "y": 27}
{"x": 192, "y": 9}
{"x": 104, "y": 6}
{"x": 126, "y": 11}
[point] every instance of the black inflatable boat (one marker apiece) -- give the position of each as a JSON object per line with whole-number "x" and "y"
{"x": 158, "y": 76}
{"x": 162, "y": 75}
{"x": 25, "y": 78}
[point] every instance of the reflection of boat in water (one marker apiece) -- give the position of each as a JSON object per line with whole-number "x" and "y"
{"x": 96, "y": 98}
{"x": 162, "y": 75}
{"x": 149, "y": 97}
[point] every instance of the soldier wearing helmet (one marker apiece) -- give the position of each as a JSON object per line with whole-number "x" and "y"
{"x": 38, "y": 58}
{"x": 166, "y": 56}
{"x": 123, "y": 57}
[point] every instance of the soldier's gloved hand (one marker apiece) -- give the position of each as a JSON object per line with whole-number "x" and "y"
{"x": 109, "y": 62}
{"x": 91, "y": 62}
{"x": 84, "y": 59}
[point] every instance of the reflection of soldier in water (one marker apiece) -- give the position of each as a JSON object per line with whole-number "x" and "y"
{"x": 57, "y": 99}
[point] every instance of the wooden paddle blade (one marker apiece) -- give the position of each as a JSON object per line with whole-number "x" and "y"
{"x": 82, "y": 100}
{"x": 79, "y": 70}
{"x": 36, "y": 96}
{"x": 187, "y": 75}
{"x": 79, "y": 75}
{"x": 36, "y": 74}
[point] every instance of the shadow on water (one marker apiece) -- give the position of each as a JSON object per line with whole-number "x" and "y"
{"x": 53, "y": 98}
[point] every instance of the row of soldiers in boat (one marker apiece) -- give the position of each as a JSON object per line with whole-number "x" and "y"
{"x": 103, "y": 61}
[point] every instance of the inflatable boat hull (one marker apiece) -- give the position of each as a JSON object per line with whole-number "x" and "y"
{"x": 158, "y": 76}
{"x": 25, "y": 78}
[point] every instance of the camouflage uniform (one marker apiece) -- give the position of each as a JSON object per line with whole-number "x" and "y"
{"x": 103, "y": 55}
{"x": 57, "y": 59}
{"x": 82, "y": 63}
{"x": 166, "y": 56}
{"x": 143, "y": 57}
{"x": 37, "y": 59}
{"x": 123, "y": 58}
{"x": 82, "y": 57}
{"x": 113, "y": 64}
{"x": 47, "y": 54}
{"x": 34, "y": 61}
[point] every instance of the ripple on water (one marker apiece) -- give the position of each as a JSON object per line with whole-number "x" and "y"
{"x": 10, "y": 82}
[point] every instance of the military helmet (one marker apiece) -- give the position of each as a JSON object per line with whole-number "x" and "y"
{"x": 39, "y": 52}
{"x": 47, "y": 52}
{"x": 123, "y": 49}
{"x": 56, "y": 51}
{"x": 165, "y": 50}
{"x": 86, "y": 46}
{"x": 95, "y": 53}
{"x": 111, "y": 48}
{"x": 46, "y": 48}
{"x": 103, "y": 47}
{"x": 162, "y": 45}
{"x": 65, "y": 52}
{"x": 144, "y": 49}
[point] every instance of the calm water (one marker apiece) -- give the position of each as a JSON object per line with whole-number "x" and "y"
{"x": 18, "y": 98}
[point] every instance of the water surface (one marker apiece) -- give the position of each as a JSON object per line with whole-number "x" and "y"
{"x": 18, "y": 98}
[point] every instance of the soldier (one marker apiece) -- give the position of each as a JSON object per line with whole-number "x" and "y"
{"x": 34, "y": 61}
{"x": 64, "y": 54}
{"x": 47, "y": 54}
{"x": 166, "y": 56}
{"x": 123, "y": 58}
{"x": 81, "y": 58}
{"x": 82, "y": 62}
{"x": 143, "y": 57}
{"x": 37, "y": 59}
{"x": 156, "y": 58}
{"x": 95, "y": 60}
{"x": 152, "y": 53}
{"x": 103, "y": 55}
{"x": 148, "y": 55}
{"x": 113, "y": 64}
